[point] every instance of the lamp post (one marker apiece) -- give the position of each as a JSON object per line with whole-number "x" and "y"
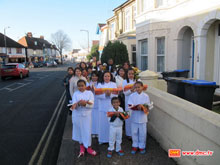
{"x": 5, "y": 40}
{"x": 88, "y": 37}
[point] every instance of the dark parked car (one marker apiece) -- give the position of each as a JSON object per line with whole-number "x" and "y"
{"x": 36, "y": 65}
{"x": 40, "y": 63}
{"x": 14, "y": 70}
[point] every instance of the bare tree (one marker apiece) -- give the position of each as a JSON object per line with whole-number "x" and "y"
{"x": 62, "y": 42}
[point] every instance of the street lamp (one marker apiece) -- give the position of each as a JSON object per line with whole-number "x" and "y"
{"x": 5, "y": 40}
{"x": 87, "y": 35}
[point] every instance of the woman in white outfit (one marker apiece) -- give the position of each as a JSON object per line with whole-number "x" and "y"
{"x": 130, "y": 80}
{"x": 104, "y": 106}
{"x": 73, "y": 81}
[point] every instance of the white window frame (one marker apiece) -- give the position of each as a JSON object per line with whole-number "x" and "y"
{"x": 134, "y": 13}
{"x": 160, "y": 54}
{"x": 127, "y": 19}
{"x": 144, "y": 54}
{"x": 112, "y": 31}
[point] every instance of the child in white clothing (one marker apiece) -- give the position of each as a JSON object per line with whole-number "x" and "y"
{"x": 116, "y": 117}
{"x": 138, "y": 102}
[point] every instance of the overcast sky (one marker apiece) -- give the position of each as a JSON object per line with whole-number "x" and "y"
{"x": 44, "y": 17}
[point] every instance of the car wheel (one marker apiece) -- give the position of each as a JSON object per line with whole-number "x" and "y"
{"x": 3, "y": 78}
{"x": 20, "y": 75}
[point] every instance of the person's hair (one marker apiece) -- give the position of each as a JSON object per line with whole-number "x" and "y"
{"x": 119, "y": 70}
{"x": 111, "y": 79}
{"x": 100, "y": 64}
{"x": 139, "y": 82}
{"x": 81, "y": 64}
{"x": 129, "y": 65}
{"x": 115, "y": 98}
{"x": 77, "y": 68}
{"x": 81, "y": 81}
{"x": 89, "y": 68}
{"x": 130, "y": 69}
{"x": 70, "y": 68}
{"x": 94, "y": 73}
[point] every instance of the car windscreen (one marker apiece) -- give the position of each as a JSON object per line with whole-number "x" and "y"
{"x": 9, "y": 66}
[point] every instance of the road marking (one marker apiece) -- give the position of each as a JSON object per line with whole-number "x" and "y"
{"x": 19, "y": 87}
{"x": 37, "y": 150}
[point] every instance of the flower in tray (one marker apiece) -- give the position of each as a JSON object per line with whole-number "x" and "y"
{"x": 136, "y": 72}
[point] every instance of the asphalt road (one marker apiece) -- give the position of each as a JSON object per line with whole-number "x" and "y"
{"x": 26, "y": 107}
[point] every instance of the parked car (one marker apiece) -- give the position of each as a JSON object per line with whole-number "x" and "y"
{"x": 36, "y": 65}
{"x": 40, "y": 63}
{"x": 14, "y": 70}
{"x": 57, "y": 61}
{"x": 51, "y": 64}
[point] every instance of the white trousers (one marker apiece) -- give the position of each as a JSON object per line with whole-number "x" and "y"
{"x": 115, "y": 135}
{"x": 128, "y": 125}
{"x": 139, "y": 134}
{"x": 103, "y": 128}
{"x": 82, "y": 129}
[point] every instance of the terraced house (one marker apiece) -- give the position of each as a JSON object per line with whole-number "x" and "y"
{"x": 38, "y": 49}
{"x": 10, "y": 50}
{"x": 121, "y": 26}
{"x": 179, "y": 34}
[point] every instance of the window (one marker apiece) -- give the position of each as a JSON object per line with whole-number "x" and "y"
{"x": 9, "y": 50}
{"x": 18, "y": 50}
{"x": 143, "y": 5}
{"x": 35, "y": 43}
{"x": 112, "y": 31}
{"x": 127, "y": 20}
{"x": 133, "y": 50}
{"x": 144, "y": 55}
{"x": 158, "y": 3}
{"x": 133, "y": 18}
{"x": 161, "y": 54}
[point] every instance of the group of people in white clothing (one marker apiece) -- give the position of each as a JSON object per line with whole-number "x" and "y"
{"x": 101, "y": 103}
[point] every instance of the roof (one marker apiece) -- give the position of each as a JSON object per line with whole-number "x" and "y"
{"x": 99, "y": 26}
{"x": 40, "y": 43}
{"x": 122, "y": 4}
{"x": 10, "y": 43}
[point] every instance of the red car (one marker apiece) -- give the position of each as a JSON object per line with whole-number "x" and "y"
{"x": 14, "y": 70}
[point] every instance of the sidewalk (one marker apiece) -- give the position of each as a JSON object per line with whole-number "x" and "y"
{"x": 69, "y": 151}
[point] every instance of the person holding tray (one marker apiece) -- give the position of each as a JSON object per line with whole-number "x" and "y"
{"x": 104, "y": 95}
{"x": 139, "y": 103}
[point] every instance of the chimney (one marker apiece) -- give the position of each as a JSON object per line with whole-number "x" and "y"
{"x": 42, "y": 37}
{"x": 29, "y": 34}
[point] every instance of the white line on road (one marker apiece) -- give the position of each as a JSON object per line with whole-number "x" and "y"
{"x": 37, "y": 150}
{"x": 19, "y": 87}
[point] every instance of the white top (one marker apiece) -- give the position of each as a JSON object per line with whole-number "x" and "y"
{"x": 105, "y": 101}
{"x": 119, "y": 81}
{"x": 87, "y": 96}
{"x": 73, "y": 83}
{"x": 117, "y": 122}
{"x": 135, "y": 99}
{"x": 128, "y": 92}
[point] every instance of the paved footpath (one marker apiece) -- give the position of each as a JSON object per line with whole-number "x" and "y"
{"x": 69, "y": 151}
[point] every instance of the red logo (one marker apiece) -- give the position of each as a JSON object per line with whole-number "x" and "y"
{"x": 174, "y": 153}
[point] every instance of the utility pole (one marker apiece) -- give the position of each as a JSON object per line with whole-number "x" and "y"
{"x": 6, "y": 52}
